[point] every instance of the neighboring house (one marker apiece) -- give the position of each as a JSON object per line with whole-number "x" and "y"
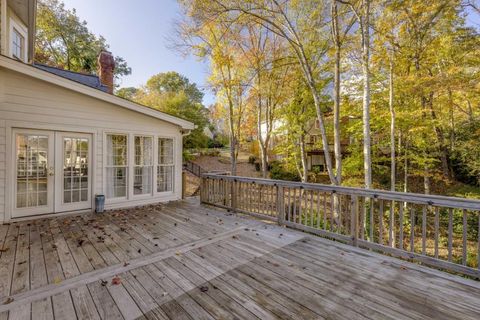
{"x": 64, "y": 137}
{"x": 315, "y": 154}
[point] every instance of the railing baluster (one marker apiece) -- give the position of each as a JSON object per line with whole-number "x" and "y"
{"x": 300, "y": 209}
{"x": 400, "y": 236}
{"x": 424, "y": 229}
{"x": 354, "y": 219}
{"x": 437, "y": 227}
{"x": 372, "y": 204}
{"x": 464, "y": 238}
{"x": 478, "y": 242}
{"x": 450, "y": 233}
{"x": 339, "y": 222}
{"x": 294, "y": 218}
{"x": 318, "y": 210}
{"x": 324, "y": 211}
{"x": 363, "y": 216}
{"x": 380, "y": 223}
{"x": 280, "y": 204}
{"x": 412, "y": 229}
{"x": 311, "y": 208}
{"x": 331, "y": 212}
{"x": 289, "y": 205}
{"x": 391, "y": 241}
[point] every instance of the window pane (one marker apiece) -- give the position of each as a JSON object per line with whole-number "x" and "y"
{"x": 143, "y": 180}
{"x": 165, "y": 151}
{"x": 17, "y": 44}
{"x": 165, "y": 179}
{"x": 143, "y": 151}
{"x": 116, "y": 182}
{"x": 116, "y": 150}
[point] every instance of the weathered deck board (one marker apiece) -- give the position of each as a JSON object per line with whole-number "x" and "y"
{"x": 186, "y": 261}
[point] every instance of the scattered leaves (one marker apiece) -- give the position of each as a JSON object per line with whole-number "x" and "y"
{"x": 116, "y": 281}
{"x": 203, "y": 288}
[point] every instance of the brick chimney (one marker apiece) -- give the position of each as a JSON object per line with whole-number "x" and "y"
{"x": 106, "y": 66}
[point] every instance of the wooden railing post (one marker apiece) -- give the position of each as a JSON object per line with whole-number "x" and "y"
{"x": 184, "y": 184}
{"x": 280, "y": 203}
{"x": 233, "y": 193}
{"x": 354, "y": 220}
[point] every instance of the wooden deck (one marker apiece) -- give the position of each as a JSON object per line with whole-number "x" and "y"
{"x": 186, "y": 261}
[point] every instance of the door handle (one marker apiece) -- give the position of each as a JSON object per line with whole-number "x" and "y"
{"x": 51, "y": 172}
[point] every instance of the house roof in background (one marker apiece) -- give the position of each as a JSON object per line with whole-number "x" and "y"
{"x": 90, "y": 80}
{"x": 41, "y": 74}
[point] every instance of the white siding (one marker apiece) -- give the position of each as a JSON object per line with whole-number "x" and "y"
{"x": 29, "y": 103}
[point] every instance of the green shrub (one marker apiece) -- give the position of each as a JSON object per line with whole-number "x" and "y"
{"x": 278, "y": 172}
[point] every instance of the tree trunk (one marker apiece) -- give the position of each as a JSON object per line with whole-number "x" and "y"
{"x": 336, "y": 95}
{"x": 303, "y": 157}
{"x": 426, "y": 179}
{"x": 367, "y": 156}
{"x": 471, "y": 117}
{"x": 392, "y": 130}
{"x": 441, "y": 140}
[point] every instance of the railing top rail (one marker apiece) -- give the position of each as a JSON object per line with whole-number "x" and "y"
{"x": 416, "y": 198}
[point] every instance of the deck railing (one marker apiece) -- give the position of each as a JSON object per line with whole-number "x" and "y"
{"x": 193, "y": 168}
{"x": 438, "y": 231}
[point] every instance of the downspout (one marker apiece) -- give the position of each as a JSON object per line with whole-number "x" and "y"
{"x": 184, "y": 133}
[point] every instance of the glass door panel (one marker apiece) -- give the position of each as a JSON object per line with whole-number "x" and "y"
{"x": 33, "y": 174}
{"x": 73, "y": 172}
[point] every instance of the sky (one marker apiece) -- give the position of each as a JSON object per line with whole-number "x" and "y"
{"x": 138, "y": 31}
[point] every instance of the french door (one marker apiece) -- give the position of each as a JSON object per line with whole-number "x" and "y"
{"x": 51, "y": 172}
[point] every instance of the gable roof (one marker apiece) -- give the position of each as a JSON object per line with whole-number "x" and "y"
{"x": 54, "y": 79}
{"x": 90, "y": 80}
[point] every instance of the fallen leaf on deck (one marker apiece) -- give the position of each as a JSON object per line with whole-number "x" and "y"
{"x": 57, "y": 280}
{"x": 178, "y": 253}
{"x": 204, "y": 289}
{"x": 104, "y": 283}
{"x": 116, "y": 281}
{"x": 126, "y": 264}
{"x": 4, "y": 249}
{"x": 9, "y": 300}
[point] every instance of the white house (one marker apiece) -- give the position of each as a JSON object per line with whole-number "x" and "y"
{"x": 64, "y": 138}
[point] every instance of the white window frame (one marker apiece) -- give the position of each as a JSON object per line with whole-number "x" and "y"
{"x": 173, "y": 165}
{"x": 130, "y": 167}
{"x": 22, "y": 31}
{"x": 134, "y": 165}
{"x": 127, "y": 166}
